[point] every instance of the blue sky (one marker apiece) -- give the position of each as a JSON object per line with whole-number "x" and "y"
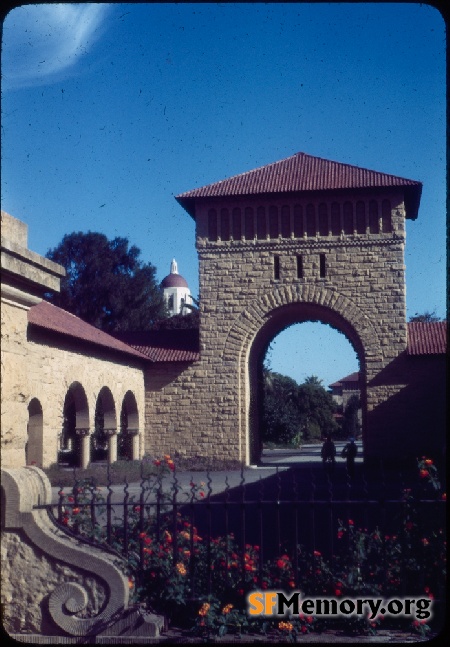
{"x": 110, "y": 110}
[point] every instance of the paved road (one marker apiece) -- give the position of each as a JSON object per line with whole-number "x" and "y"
{"x": 272, "y": 462}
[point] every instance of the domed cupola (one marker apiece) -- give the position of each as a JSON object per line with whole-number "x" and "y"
{"x": 176, "y": 291}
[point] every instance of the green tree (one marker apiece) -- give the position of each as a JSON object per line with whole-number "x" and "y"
{"x": 317, "y": 407}
{"x": 292, "y": 412}
{"x": 425, "y": 317}
{"x": 106, "y": 283}
{"x": 281, "y": 418}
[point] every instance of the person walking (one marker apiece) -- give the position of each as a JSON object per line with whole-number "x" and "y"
{"x": 328, "y": 454}
{"x": 349, "y": 453}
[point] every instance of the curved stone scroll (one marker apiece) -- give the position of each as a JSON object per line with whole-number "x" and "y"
{"x": 28, "y": 486}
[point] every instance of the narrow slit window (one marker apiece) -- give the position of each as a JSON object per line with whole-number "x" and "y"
{"x": 299, "y": 267}
{"x": 276, "y": 267}
{"x": 212, "y": 225}
{"x": 323, "y": 266}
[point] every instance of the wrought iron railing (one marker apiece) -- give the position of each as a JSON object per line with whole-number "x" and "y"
{"x": 295, "y": 512}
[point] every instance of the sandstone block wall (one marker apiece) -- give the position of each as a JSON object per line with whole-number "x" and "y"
{"x": 38, "y": 368}
{"x": 249, "y": 291}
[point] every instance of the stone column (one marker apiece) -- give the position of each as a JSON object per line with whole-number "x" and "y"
{"x": 84, "y": 447}
{"x": 111, "y": 434}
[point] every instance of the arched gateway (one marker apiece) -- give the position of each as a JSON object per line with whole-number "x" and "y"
{"x": 301, "y": 239}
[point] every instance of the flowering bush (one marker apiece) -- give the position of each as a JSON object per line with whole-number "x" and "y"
{"x": 171, "y": 565}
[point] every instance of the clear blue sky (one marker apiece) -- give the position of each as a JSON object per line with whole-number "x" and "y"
{"x": 108, "y": 111}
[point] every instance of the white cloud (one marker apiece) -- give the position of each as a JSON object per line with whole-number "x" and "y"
{"x": 43, "y": 42}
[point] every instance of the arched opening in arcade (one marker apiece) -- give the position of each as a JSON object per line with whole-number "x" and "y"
{"x": 105, "y": 427}
{"x": 128, "y": 437}
{"x": 75, "y": 427}
{"x": 296, "y": 395}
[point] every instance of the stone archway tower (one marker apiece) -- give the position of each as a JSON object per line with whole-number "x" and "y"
{"x": 301, "y": 239}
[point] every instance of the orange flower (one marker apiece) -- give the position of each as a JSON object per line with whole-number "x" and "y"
{"x": 204, "y": 609}
{"x": 181, "y": 568}
{"x": 227, "y": 608}
{"x": 285, "y": 626}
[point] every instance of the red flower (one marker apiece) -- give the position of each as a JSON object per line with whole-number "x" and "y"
{"x": 351, "y": 522}
{"x": 337, "y": 592}
{"x": 317, "y": 553}
{"x": 423, "y": 473}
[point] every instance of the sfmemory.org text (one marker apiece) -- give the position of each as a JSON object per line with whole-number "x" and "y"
{"x": 277, "y": 603}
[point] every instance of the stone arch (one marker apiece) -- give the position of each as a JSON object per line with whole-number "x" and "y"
{"x": 76, "y": 426}
{"x": 105, "y": 426}
{"x": 253, "y": 330}
{"x": 128, "y": 437}
{"x": 35, "y": 434}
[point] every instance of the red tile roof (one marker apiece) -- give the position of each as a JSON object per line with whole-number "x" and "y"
{"x": 173, "y": 345}
{"x": 353, "y": 377}
{"x": 427, "y": 338}
{"x": 302, "y": 172}
{"x": 46, "y": 315}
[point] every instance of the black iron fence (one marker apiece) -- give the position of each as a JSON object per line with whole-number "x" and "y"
{"x": 381, "y": 522}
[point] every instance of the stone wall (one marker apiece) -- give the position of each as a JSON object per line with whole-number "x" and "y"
{"x": 51, "y": 584}
{"x": 249, "y": 291}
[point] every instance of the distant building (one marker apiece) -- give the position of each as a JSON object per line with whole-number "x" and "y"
{"x": 344, "y": 389}
{"x": 177, "y": 295}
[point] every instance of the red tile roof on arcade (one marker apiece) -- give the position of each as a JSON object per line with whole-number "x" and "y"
{"x": 175, "y": 345}
{"x": 303, "y": 173}
{"x": 46, "y": 315}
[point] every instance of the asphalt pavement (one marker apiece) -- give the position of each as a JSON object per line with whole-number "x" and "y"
{"x": 273, "y": 461}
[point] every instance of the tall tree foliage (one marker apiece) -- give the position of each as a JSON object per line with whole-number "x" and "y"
{"x": 106, "y": 283}
{"x": 425, "y": 317}
{"x": 292, "y": 412}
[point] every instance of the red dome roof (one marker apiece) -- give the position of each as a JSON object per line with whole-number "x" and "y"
{"x": 173, "y": 280}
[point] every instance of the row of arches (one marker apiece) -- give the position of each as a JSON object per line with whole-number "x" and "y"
{"x": 111, "y": 434}
{"x": 300, "y": 221}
